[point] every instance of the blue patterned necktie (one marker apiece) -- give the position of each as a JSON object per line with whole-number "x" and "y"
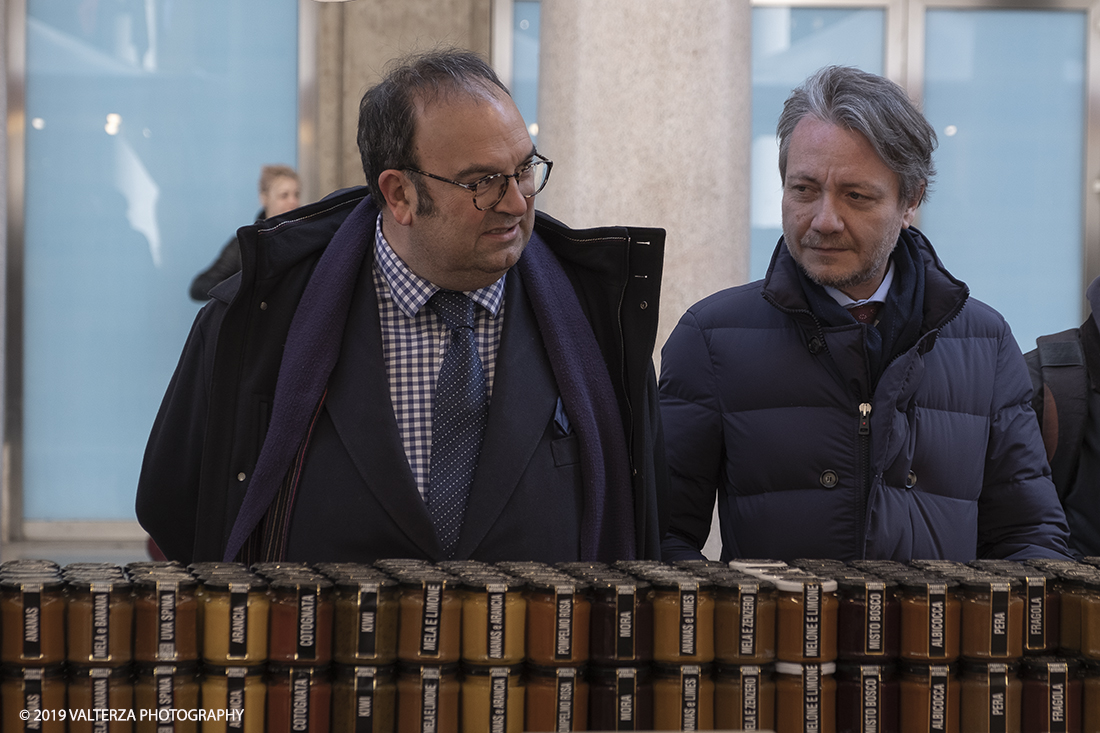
{"x": 459, "y": 416}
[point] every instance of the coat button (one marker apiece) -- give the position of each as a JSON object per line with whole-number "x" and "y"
{"x": 911, "y": 480}
{"x": 815, "y": 345}
{"x": 241, "y": 476}
{"x": 829, "y": 479}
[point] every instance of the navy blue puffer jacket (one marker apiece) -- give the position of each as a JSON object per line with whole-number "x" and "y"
{"x": 762, "y": 403}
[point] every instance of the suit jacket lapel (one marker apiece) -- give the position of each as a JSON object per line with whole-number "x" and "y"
{"x": 522, "y": 406}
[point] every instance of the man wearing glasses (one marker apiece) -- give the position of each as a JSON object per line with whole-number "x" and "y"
{"x": 424, "y": 367}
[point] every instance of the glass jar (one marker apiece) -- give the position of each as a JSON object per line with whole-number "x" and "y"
{"x": 492, "y": 699}
{"x": 235, "y": 616}
{"x": 1089, "y": 596}
{"x": 992, "y": 610}
{"x": 744, "y": 696}
{"x": 301, "y": 622}
{"x": 32, "y": 613}
{"x": 494, "y": 622}
{"x": 806, "y": 619}
{"x": 1071, "y": 586}
{"x": 621, "y": 622}
{"x": 805, "y": 697}
{"x": 683, "y": 620}
{"x": 990, "y": 694}
{"x": 99, "y": 688}
{"x": 298, "y": 699}
{"x": 930, "y": 620}
{"x": 620, "y": 698}
{"x": 744, "y": 621}
{"x": 366, "y": 621}
{"x": 1051, "y": 699}
{"x": 364, "y": 700}
{"x": 557, "y": 699}
{"x": 558, "y": 613}
{"x": 161, "y": 693}
{"x": 1042, "y": 609}
{"x": 866, "y": 698}
{"x": 40, "y": 691}
{"x": 240, "y": 691}
{"x": 683, "y": 697}
{"x": 868, "y": 620}
{"x": 929, "y": 698}
{"x": 1090, "y": 695}
{"x": 430, "y": 626}
{"x": 99, "y": 621}
{"x": 427, "y": 698}
{"x": 166, "y": 619}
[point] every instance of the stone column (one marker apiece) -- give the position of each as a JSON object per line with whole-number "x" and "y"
{"x": 644, "y": 106}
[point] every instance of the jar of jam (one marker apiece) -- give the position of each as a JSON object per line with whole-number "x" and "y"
{"x": 992, "y": 609}
{"x": 241, "y": 692}
{"x": 32, "y": 613}
{"x": 298, "y": 698}
{"x": 1051, "y": 699}
{"x": 868, "y": 620}
{"x": 99, "y": 620}
{"x": 989, "y": 697}
{"x": 40, "y": 691}
{"x": 166, "y": 618}
{"x": 620, "y": 698}
{"x": 744, "y": 620}
{"x": 744, "y": 697}
{"x": 806, "y": 619}
{"x": 301, "y": 621}
{"x": 621, "y": 621}
{"x": 366, "y": 621}
{"x": 236, "y": 611}
{"x": 493, "y": 698}
{"x": 99, "y": 688}
{"x": 930, "y": 619}
{"x": 683, "y": 697}
{"x": 430, "y": 626}
{"x": 929, "y": 698}
{"x": 1042, "y": 609}
{"x": 364, "y": 700}
{"x": 427, "y": 698}
{"x": 558, "y": 611}
{"x": 1090, "y": 618}
{"x": 163, "y": 692}
{"x": 557, "y": 699}
{"x": 683, "y": 620}
{"x": 494, "y": 621}
{"x": 1071, "y": 585}
{"x": 805, "y": 697}
{"x": 866, "y": 698}
{"x": 1090, "y": 695}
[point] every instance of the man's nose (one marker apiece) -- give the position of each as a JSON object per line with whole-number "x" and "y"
{"x": 513, "y": 202}
{"x": 826, "y": 217}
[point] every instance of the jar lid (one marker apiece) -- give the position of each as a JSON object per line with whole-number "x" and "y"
{"x": 681, "y": 582}
{"x": 369, "y": 584}
{"x": 924, "y": 669}
{"x": 662, "y": 669}
{"x": 32, "y": 583}
{"x": 236, "y": 583}
{"x": 850, "y": 584}
{"x": 219, "y": 670}
{"x": 100, "y": 585}
{"x": 319, "y": 673}
{"x": 740, "y": 583}
{"x": 314, "y": 582}
{"x": 974, "y": 666}
{"x": 478, "y": 670}
{"x": 610, "y": 586}
{"x": 410, "y": 668}
{"x": 985, "y": 584}
{"x": 559, "y": 584}
{"x": 493, "y": 584}
{"x": 798, "y": 669}
{"x": 1040, "y": 667}
{"x": 79, "y": 672}
{"x": 158, "y": 669}
{"x": 539, "y": 670}
{"x": 163, "y": 581}
{"x": 725, "y": 669}
{"x": 854, "y": 670}
{"x": 16, "y": 671}
{"x": 921, "y": 583}
{"x": 352, "y": 671}
{"x": 602, "y": 673}
{"x": 792, "y": 584}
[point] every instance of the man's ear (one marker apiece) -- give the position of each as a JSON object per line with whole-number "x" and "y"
{"x": 909, "y": 211}
{"x": 400, "y": 195}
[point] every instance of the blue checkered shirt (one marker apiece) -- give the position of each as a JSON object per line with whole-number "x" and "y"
{"x": 414, "y": 340}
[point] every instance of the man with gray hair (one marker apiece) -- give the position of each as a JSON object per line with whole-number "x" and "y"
{"x": 856, "y": 402}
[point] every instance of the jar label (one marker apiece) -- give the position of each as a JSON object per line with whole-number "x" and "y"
{"x": 874, "y": 613}
{"x": 368, "y": 612}
{"x": 811, "y": 698}
{"x": 998, "y": 619}
{"x": 32, "y": 623}
{"x": 626, "y": 691}
{"x": 624, "y": 648}
{"x": 689, "y": 698}
{"x": 811, "y": 620}
{"x": 32, "y": 694}
{"x": 238, "y": 624}
{"x": 938, "y": 679}
{"x": 430, "y": 615}
{"x": 1036, "y": 613}
{"x": 870, "y": 689}
{"x": 998, "y": 694}
{"x": 1057, "y": 684}
{"x": 566, "y": 692}
{"x": 563, "y": 610}
{"x": 301, "y": 680}
{"x": 101, "y": 687}
{"x": 749, "y": 600}
{"x": 164, "y": 684}
{"x": 689, "y": 599}
{"x": 498, "y": 700}
{"x": 307, "y": 622}
{"x": 429, "y": 700}
{"x": 166, "y": 633}
{"x": 101, "y": 625}
{"x": 937, "y": 620}
{"x": 750, "y": 698}
{"x": 234, "y": 697}
{"x": 494, "y": 636}
{"x": 364, "y": 703}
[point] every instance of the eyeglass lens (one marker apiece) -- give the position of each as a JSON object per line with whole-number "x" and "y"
{"x": 530, "y": 181}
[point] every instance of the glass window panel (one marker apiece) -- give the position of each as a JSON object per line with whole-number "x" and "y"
{"x": 525, "y": 62}
{"x": 789, "y": 44}
{"x": 1005, "y": 91}
{"x": 147, "y": 124}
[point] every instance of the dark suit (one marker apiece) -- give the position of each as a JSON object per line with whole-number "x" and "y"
{"x": 357, "y": 499}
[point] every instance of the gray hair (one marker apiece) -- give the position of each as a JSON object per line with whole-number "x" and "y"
{"x": 387, "y": 112}
{"x": 873, "y": 106}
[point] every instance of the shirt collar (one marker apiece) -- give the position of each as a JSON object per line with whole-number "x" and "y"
{"x": 411, "y": 292}
{"x": 879, "y": 295}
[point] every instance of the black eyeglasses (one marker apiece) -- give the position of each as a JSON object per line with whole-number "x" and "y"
{"x": 488, "y": 191}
